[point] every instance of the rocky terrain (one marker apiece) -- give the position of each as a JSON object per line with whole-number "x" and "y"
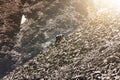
{"x": 17, "y": 42}
{"x": 61, "y": 40}
{"x": 10, "y": 18}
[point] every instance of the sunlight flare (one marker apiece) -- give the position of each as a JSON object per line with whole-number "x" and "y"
{"x": 110, "y": 4}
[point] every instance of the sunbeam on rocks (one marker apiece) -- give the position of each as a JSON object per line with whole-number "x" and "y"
{"x": 59, "y": 40}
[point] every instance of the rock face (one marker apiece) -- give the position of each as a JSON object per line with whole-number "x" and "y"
{"x": 92, "y": 52}
{"x": 46, "y": 19}
{"x": 10, "y": 17}
{"x": 80, "y": 49}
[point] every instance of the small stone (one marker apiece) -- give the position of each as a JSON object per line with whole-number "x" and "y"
{"x": 23, "y": 19}
{"x": 105, "y": 61}
{"x": 79, "y": 78}
{"x": 26, "y": 66}
{"x": 59, "y": 38}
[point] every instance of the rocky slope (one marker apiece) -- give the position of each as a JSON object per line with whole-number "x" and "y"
{"x": 91, "y": 52}
{"x": 10, "y": 18}
{"x": 57, "y": 42}
{"x": 46, "y": 19}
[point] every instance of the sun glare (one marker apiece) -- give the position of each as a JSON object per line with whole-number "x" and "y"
{"x": 109, "y": 4}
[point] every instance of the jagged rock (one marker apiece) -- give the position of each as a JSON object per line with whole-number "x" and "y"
{"x": 58, "y": 39}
